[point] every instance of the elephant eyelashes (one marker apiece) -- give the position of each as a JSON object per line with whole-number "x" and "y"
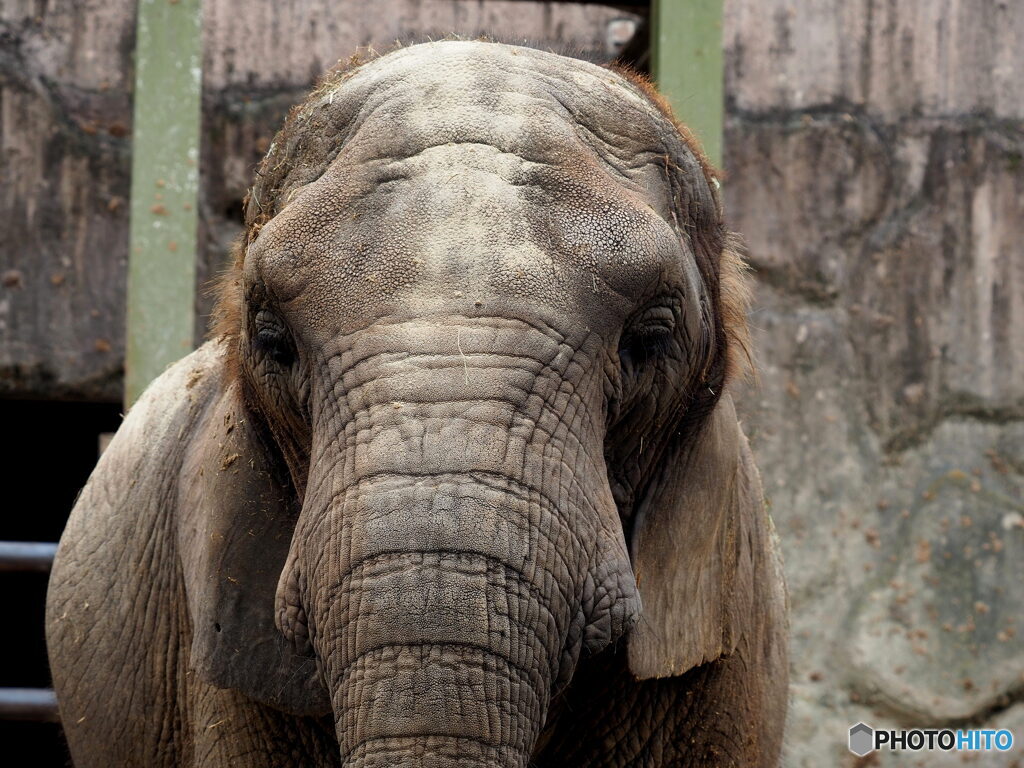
{"x": 272, "y": 339}
{"x": 649, "y": 336}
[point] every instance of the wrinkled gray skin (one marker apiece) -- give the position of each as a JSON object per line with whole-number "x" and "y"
{"x": 461, "y": 486}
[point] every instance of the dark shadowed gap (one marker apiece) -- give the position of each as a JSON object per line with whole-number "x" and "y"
{"x": 49, "y": 449}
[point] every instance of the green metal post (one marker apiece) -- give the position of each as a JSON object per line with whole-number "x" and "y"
{"x": 686, "y": 48}
{"x": 165, "y": 182}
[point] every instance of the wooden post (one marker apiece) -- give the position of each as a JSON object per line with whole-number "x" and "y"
{"x": 165, "y": 181}
{"x": 686, "y": 52}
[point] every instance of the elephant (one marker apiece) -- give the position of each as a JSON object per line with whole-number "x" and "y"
{"x": 457, "y": 478}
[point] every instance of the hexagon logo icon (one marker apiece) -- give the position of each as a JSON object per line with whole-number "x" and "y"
{"x": 862, "y": 739}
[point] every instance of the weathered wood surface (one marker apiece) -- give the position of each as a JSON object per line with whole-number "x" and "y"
{"x": 875, "y": 157}
{"x": 64, "y": 138}
{"x": 686, "y": 62}
{"x": 163, "y": 208}
{"x": 65, "y": 134}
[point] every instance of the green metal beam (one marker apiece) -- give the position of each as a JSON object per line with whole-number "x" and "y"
{"x": 165, "y": 182}
{"x": 686, "y": 51}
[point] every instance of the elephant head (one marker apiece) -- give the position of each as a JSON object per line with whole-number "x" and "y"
{"x": 478, "y": 344}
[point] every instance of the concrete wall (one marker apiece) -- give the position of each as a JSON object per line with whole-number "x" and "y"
{"x": 875, "y": 158}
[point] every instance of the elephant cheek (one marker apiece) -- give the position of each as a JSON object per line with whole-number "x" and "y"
{"x": 611, "y": 600}
{"x": 289, "y": 614}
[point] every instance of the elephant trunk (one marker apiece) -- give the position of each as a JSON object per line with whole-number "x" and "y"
{"x": 443, "y": 638}
{"x": 458, "y": 546}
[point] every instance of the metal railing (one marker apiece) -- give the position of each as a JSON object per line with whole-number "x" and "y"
{"x": 38, "y": 704}
{"x": 26, "y": 556}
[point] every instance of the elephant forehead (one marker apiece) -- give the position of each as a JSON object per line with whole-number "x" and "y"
{"x": 462, "y": 223}
{"x": 528, "y": 104}
{"x": 503, "y": 95}
{"x": 480, "y": 172}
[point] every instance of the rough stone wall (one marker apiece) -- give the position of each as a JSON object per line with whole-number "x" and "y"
{"x": 875, "y": 158}
{"x": 65, "y": 141}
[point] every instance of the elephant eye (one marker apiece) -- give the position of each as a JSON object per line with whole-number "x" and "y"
{"x": 272, "y": 339}
{"x": 651, "y": 334}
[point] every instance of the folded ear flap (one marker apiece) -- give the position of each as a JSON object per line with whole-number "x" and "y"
{"x": 237, "y": 515}
{"x": 692, "y": 550}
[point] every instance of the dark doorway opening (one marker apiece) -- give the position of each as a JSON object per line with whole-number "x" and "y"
{"x": 49, "y": 450}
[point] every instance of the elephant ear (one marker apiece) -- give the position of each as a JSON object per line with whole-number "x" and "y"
{"x": 237, "y": 515}
{"x": 694, "y": 547}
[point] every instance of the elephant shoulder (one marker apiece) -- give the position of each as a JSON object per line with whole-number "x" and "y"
{"x": 157, "y": 426}
{"x": 112, "y": 608}
{"x": 178, "y": 395}
{"x": 135, "y": 479}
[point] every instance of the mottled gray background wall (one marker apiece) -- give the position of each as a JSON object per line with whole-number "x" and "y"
{"x": 874, "y": 151}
